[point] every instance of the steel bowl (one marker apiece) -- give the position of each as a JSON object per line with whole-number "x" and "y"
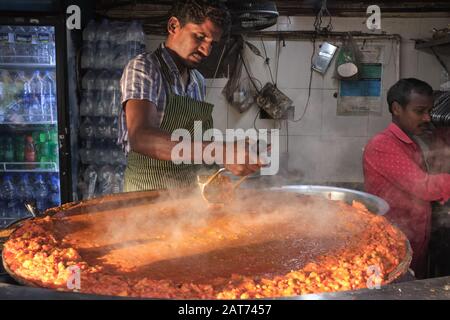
{"x": 373, "y": 203}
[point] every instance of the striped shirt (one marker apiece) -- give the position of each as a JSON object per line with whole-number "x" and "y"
{"x": 142, "y": 79}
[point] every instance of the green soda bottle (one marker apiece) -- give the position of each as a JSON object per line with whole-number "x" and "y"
{"x": 2, "y": 149}
{"x": 19, "y": 149}
{"x": 9, "y": 150}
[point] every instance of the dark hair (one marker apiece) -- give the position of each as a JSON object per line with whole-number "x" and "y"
{"x": 197, "y": 11}
{"x": 401, "y": 91}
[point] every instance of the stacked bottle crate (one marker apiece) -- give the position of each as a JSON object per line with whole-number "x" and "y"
{"x": 107, "y": 48}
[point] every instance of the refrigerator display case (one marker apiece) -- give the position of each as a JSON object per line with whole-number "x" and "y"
{"x": 34, "y": 122}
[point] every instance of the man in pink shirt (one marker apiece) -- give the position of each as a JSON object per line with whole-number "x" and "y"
{"x": 395, "y": 170}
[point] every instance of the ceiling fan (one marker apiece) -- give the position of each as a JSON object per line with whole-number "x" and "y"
{"x": 252, "y": 15}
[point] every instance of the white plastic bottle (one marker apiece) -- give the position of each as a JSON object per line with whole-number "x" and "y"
{"x": 48, "y": 97}
{"x": 87, "y": 129}
{"x": 88, "y": 81}
{"x": 89, "y": 32}
{"x": 102, "y": 129}
{"x": 118, "y": 180}
{"x": 7, "y": 48}
{"x": 135, "y": 39}
{"x": 34, "y": 46}
{"x": 103, "y": 46}
{"x": 88, "y": 56}
{"x": 40, "y": 192}
{"x": 43, "y": 45}
{"x": 51, "y": 48}
{"x": 22, "y": 92}
{"x": 104, "y": 101}
{"x": 86, "y": 106}
{"x": 35, "y": 107}
{"x": 8, "y": 196}
{"x": 22, "y": 41}
{"x": 90, "y": 179}
{"x": 105, "y": 180}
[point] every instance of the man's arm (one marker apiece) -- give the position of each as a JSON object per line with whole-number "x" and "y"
{"x": 144, "y": 134}
{"x": 145, "y": 137}
{"x": 392, "y": 163}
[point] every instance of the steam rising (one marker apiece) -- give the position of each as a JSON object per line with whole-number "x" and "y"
{"x": 180, "y": 233}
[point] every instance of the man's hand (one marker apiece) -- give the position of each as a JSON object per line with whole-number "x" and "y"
{"x": 246, "y": 159}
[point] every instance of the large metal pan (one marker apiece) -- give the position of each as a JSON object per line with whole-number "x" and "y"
{"x": 112, "y": 202}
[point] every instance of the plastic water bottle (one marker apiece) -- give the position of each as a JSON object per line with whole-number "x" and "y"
{"x": 35, "y": 108}
{"x": 87, "y": 154}
{"x": 40, "y": 192}
{"x": 135, "y": 39}
{"x": 118, "y": 180}
{"x": 48, "y": 96}
{"x": 90, "y": 179}
{"x": 51, "y": 48}
{"x": 119, "y": 40}
{"x": 105, "y": 180}
{"x": 23, "y": 44}
{"x": 88, "y": 56}
{"x": 7, "y": 48}
{"x": 54, "y": 188}
{"x": 9, "y": 198}
{"x": 102, "y": 129}
{"x": 114, "y": 129}
{"x": 43, "y": 40}
{"x": 104, "y": 102}
{"x": 88, "y": 81}
{"x": 24, "y": 191}
{"x": 34, "y": 46}
{"x": 113, "y": 92}
{"x": 87, "y": 105}
{"x": 102, "y": 54}
{"x": 15, "y": 111}
{"x": 7, "y": 93}
{"x": 90, "y": 31}
{"x": 87, "y": 129}
{"x": 102, "y": 154}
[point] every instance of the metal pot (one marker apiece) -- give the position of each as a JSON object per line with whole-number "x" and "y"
{"x": 123, "y": 201}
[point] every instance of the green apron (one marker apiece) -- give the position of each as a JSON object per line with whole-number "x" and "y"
{"x": 145, "y": 173}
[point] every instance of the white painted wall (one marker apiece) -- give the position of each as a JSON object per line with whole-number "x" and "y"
{"x": 324, "y": 147}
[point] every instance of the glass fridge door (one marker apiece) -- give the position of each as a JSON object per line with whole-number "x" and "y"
{"x": 29, "y": 160}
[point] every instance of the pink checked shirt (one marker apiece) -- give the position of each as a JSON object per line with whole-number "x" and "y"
{"x": 394, "y": 170}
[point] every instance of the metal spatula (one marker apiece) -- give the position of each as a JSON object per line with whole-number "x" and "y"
{"x": 219, "y": 189}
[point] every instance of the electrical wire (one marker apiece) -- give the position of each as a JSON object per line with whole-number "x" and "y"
{"x": 249, "y": 75}
{"x": 217, "y": 68}
{"x": 267, "y": 62}
{"x": 310, "y": 81}
{"x": 254, "y": 120}
{"x": 318, "y": 21}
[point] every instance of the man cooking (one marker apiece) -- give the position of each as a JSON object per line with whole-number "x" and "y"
{"x": 162, "y": 91}
{"x": 395, "y": 169}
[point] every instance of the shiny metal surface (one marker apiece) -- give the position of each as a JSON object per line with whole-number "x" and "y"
{"x": 373, "y": 203}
